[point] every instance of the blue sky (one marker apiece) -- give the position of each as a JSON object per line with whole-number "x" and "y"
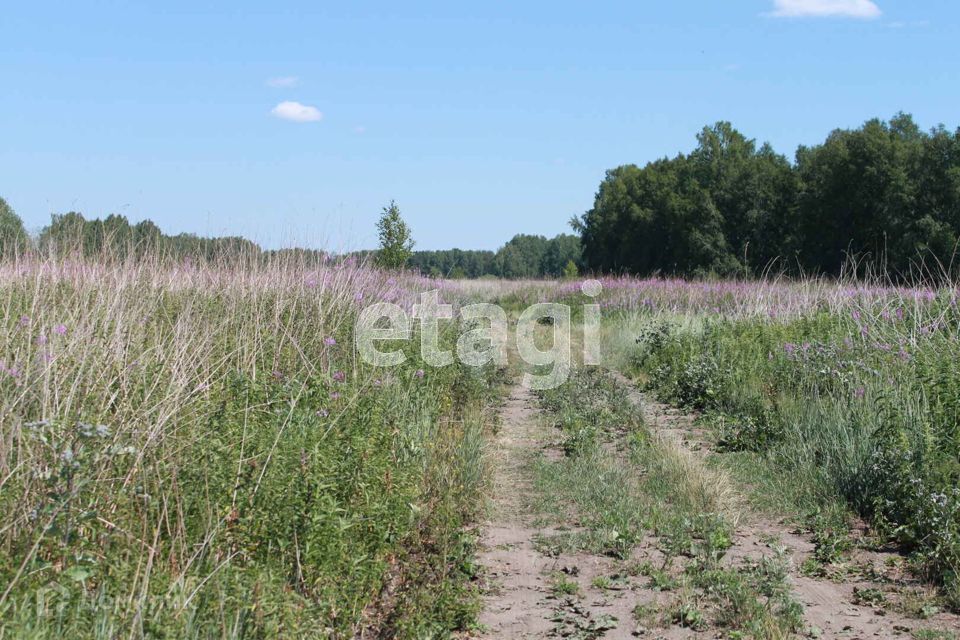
{"x": 295, "y": 122}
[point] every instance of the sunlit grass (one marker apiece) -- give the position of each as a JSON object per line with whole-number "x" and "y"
{"x": 193, "y": 450}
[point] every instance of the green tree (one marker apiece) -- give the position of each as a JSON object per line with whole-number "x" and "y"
{"x": 753, "y": 191}
{"x": 570, "y": 271}
{"x": 521, "y": 257}
{"x": 887, "y": 194}
{"x": 655, "y": 219}
{"x": 859, "y": 196}
{"x": 396, "y": 245}
{"x": 65, "y": 233}
{"x": 13, "y": 237}
{"x": 561, "y": 251}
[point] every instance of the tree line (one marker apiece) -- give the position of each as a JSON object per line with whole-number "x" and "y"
{"x": 524, "y": 256}
{"x": 886, "y": 195}
{"x": 115, "y": 237}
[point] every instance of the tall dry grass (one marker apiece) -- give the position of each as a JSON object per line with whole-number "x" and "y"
{"x": 190, "y": 448}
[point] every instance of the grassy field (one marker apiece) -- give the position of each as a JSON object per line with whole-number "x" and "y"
{"x": 196, "y": 451}
{"x": 833, "y": 399}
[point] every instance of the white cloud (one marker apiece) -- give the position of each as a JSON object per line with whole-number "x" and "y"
{"x": 863, "y": 9}
{"x": 283, "y": 82}
{"x": 296, "y": 112}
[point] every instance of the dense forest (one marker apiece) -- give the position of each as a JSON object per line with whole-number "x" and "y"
{"x": 886, "y": 195}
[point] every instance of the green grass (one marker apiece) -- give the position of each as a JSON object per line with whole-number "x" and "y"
{"x": 196, "y": 453}
{"x": 829, "y": 414}
{"x": 563, "y": 586}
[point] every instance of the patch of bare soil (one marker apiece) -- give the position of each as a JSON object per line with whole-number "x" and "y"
{"x": 523, "y": 593}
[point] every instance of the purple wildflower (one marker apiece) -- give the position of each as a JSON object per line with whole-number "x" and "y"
{"x": 419, "y": 373}
{"x": 330, "y": 341}
{"x": 60, "y": 329}
{"x": 339, "y": 376}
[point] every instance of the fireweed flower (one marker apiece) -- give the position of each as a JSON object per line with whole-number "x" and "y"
{"x": 419, "y": 373}
{"x": 329, "y": 341}
{"x": 789, "y": 347}
{"x": 339, "y": 376}
{"x": 60, "y": 329}
{"x": 11, "y": 371}
{"x": 859, "y": 392}
{"x": 24, "y": 321}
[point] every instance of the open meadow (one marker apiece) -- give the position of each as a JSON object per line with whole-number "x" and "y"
{"x": 480, "y": 321}
{"x": 195, "y": 450}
